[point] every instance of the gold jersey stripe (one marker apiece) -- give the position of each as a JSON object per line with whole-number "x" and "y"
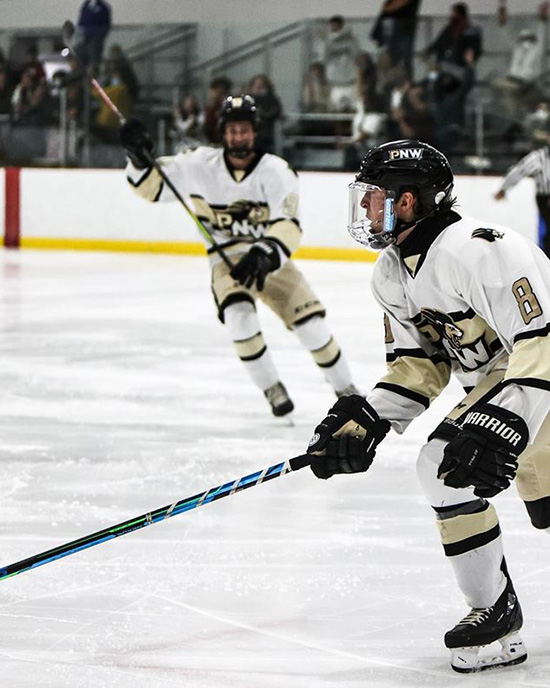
{"x": 287, "y": 232}
{"x": 465, "y": 526}
{"x": 530, "y": 358}
{"x": 420, "y": 375}
{"x": 149, "y": 187}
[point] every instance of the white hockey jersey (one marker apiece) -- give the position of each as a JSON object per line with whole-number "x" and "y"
{"x": 464, "y": 297}
{"x": 235, "y": 206}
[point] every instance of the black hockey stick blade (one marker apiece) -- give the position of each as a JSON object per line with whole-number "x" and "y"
{"x": 161, "y": 514}
{"x": 67, "y": 33}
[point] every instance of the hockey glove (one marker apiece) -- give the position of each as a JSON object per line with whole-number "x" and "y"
{"x": 260, "y": 259}
{"x": 346, "y": 440}
{"x": 138, "y": 143}
{"x": 485, "y": 452}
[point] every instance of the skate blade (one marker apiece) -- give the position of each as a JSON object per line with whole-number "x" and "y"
{"x": 466, "y": 660}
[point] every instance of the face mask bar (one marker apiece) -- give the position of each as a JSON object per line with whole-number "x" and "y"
{"x": 371, "y": 218}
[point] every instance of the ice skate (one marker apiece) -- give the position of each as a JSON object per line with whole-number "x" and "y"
{"x": 481, "y": 627}
{"x": 281, "y": 404}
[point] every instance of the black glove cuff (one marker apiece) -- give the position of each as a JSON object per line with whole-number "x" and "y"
{"x": 497, "y": 427}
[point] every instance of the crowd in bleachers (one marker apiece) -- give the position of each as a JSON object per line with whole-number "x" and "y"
{"x": 372, "y": 95}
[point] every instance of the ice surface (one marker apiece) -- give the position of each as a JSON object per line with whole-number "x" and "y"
{"x": 119, "y": 394}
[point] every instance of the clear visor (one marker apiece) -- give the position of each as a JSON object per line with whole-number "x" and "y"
{"x": 371, "y": 218}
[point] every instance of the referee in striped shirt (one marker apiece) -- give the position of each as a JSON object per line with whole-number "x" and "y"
{"x": 537, "y": 165}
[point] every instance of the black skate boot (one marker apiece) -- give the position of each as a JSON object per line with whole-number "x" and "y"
{"x": 281, "y": 403}
{"x": 483, "y": 626}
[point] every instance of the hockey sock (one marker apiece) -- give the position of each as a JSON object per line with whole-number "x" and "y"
{"x": 242, "y": 322}
{"x": 468, "y": 528}
{"x": 471, "y": 538}
{"x": 315, "y": 336}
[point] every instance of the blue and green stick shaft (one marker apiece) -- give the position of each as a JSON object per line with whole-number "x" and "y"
{"x": 161, "y": 514}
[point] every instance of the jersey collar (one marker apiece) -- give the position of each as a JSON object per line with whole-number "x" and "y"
{"x": 415, "y": 247}
{"x": 247, "y": 170}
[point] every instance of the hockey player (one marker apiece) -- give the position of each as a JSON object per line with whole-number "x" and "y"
{"x": 248, "y": 201}
{"x": 459, "y": 296}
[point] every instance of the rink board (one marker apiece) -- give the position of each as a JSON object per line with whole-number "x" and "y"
{"x": 97, "y": 210}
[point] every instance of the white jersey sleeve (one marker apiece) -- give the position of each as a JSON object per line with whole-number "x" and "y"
{"x": 281, "y": 189}
{"x": 507, "y": 282}
{"x": 149, "y": 184}
{"x": 416, "y": 371}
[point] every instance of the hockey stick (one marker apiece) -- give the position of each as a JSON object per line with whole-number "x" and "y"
{"x": 68, "y": 31}
{"x": 161, "y": 514}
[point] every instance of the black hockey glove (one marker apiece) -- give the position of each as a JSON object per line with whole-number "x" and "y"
{"x": 260, "y": 259}
{"x": 137, "y": 142}
{"x": 485, "y": 452}
{"x": 346, "y": 440}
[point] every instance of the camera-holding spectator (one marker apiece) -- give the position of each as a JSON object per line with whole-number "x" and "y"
{"x": 340, "y": 57}
{"x": 270, "y": 108}
{"x": 94, "y": 23}
{"x": 518, "y": 90}
{"x": 30, "y": 100}
{"x": 218, "y": 90}
{"x": 33, "y": 65}
{"x": 188, "y": 124}
{"x": 394, "y": 31}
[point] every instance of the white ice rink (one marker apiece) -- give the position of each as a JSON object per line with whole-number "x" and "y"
{"x": 119, "y": 394}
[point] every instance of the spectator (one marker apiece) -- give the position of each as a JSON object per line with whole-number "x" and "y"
{"x": 5, "y": 93}
{"x": 118, "y": 62}
{"x": 269, "y": 105}
{"x": 449, "y": 105}
{"x": 394, "y": 32}
{"x": 30, "y": 100}
{"x": 94, "y": 23}
{"x": 366, "y": 80}
{"x": 315, "y": 89}
{"x": 341, "y": 51}
{"x": 220, "y": 87}
{"x": 106, "y": 123}
{"x": 518, "y": 89}
{"x": 33, "y": 65}
{"x": 188, "y": 127}
{"x": 368, "y": 129}
{"x": 412, "y": 115}
{"x": 456, "y": 49}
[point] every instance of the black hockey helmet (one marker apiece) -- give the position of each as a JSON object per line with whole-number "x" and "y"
{"x": 409, "y": 164}
{"x": 240, "y": 108}
{"x": 386, "y": 172}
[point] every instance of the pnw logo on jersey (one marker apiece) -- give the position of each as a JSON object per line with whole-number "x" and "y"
{"x": 240, "y": 218}
{"x": 464, "y": 337}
